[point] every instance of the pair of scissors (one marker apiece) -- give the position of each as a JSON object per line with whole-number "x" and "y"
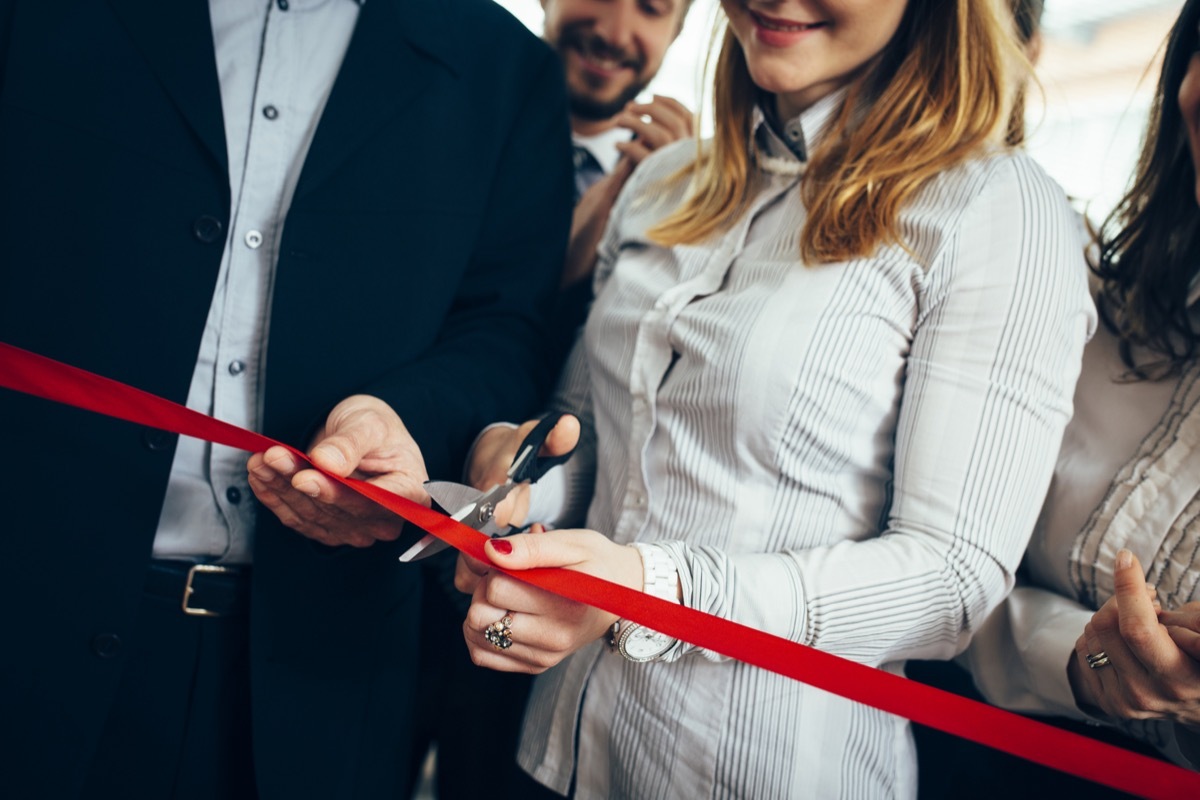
{"x": 474, "y": 508}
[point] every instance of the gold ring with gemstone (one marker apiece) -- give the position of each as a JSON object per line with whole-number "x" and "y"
{"x": 499, "y": 633}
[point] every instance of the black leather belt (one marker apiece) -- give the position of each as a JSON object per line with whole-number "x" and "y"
{"x": 202, "y": 590}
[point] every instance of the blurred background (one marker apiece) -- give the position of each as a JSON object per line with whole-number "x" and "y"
{"x": 1099, "y": 63}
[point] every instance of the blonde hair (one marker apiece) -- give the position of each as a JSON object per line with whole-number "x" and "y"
{"x": 939, "y": 93}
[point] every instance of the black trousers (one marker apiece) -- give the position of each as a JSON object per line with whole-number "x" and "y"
{"x": 180, "y": 725}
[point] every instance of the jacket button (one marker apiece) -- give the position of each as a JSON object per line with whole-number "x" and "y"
{"x": 156, "y": 440}
{"x": 207, "y": 229}
{"x": 106, "y": 645}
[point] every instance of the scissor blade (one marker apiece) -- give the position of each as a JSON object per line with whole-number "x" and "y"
{"x": 452, "y": 497}
{"x": 475, "y": 512}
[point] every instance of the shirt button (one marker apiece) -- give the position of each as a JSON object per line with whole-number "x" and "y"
{"x": 253, "y": 239}
{"x": 237, "y": 367}
{"x": 207, "y": 229}
{"x": 233, "y": 495}
{"x": 270, "y": 112}
{"x": 106, "y": 645}
{"x": 283, "y": 5}
{"x": 639, "y": 499}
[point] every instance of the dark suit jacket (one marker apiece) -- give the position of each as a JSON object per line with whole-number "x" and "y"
{"x": 418, "y": 257}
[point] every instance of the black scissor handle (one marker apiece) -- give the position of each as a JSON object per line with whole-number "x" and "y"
{"x": 528, "y": 465}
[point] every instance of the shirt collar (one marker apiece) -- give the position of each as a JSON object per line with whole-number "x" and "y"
{"x": 777, "y": 143}
{"x": 603, "y": 146}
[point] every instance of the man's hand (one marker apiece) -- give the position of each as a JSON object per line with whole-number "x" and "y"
{"x": 362, "y": 438}
{"x": 1149, "y": 676}
{"x": 654, "y": 124}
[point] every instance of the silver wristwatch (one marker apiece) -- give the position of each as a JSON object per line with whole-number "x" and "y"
{"x": 660, "y": 578}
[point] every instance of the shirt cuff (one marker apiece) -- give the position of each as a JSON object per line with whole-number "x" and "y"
{"x": 548, "y": 498}
{"x": 1019, "y": 656}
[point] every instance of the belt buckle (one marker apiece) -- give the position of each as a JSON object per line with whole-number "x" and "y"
{"x": 188, "y": 590}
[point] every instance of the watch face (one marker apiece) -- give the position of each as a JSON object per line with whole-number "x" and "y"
{"x": 643, "y": 644}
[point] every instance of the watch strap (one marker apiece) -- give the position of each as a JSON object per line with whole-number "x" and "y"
{"x": 660, "y": 578}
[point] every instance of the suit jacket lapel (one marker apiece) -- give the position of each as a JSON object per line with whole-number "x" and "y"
{"x": 175, "y": 36}
{"x": 395, "y": 52}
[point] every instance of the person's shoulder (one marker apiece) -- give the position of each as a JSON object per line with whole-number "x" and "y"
{"x": 665, "y": 162}
{"x": 484, "y": 29}
{"x": 657, "y": 187}
{"x": 1010, "y": 169}
{"x": 1000, "y": 189}
{"x": 1006, "y": 180}
{"x": 474, "y": 39}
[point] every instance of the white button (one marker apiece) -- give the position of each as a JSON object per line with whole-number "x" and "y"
{"x": 639, "y": 499}
{"x": 253, "y": 239}
{"x": 237, "y": 367}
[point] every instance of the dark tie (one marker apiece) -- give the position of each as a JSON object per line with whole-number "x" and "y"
{"x": 587, "y": 171}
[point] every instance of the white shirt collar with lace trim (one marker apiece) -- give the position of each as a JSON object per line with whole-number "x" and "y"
{"x": 777, "y": 143}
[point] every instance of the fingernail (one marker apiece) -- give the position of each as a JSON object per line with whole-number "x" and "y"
{"x": 331, "y": 455}
{"x": 309, "y": 489}
{"x": 501, "y": 546}
{"x": 264, "y": 473}
{"x": 1124, "y": 559}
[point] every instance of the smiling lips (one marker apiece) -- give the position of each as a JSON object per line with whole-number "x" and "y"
{"x": 602, "y": 64}
{"x": 781, "y": 32}
{"x": 600, "y": 58}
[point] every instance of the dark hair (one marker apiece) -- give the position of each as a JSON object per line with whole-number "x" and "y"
{"x": 1027, "y": 19}
{"x": 1028, "y": 16}
{"x": 1149, "y": 246}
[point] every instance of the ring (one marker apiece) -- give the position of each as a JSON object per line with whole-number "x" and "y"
{"x": 499, "y": 633}
{"x": 1098, "y": 660}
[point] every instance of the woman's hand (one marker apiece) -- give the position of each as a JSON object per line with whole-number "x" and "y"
{"x": 494, "y": 454}
{"x": 1149, "y": 674}
{"x": 544, "y": 627}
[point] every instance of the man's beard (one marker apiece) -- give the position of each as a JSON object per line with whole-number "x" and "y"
{"x": 585, "y": 106}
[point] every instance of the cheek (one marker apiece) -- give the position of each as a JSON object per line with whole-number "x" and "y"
{"x": 1189, "y": 109}
{"x": 1189, "y": 92}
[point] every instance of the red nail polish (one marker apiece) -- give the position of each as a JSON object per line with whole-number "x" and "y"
{"x": 502, "y": 547}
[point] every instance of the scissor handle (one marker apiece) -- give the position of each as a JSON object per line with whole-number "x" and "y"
{"x": 528, "y": 465}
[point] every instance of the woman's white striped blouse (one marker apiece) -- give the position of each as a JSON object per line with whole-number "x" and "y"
{"x": 850, "y": 455}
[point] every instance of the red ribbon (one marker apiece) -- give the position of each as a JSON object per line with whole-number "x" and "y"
{"x": 1044, "y": 744}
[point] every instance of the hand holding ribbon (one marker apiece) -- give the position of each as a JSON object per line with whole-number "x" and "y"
{"x": 362, "y": 438}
